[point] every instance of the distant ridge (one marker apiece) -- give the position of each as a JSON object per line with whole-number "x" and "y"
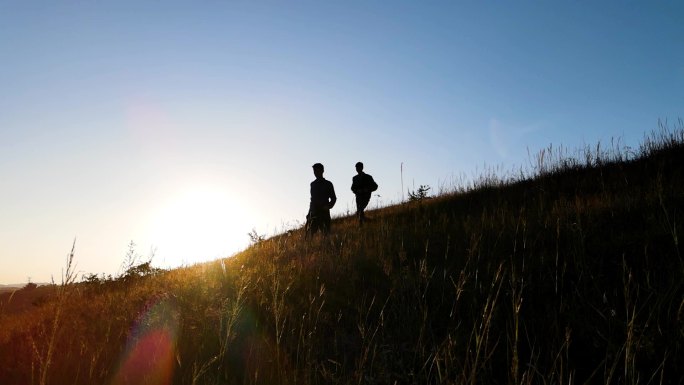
{"x": 11, "y": 285}
{"x": 19, "y": 285}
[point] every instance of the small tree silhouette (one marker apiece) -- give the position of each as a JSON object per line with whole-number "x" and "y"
{"x": 30, "y": 286}
{"x": 420, "y": 194}
{"x": 141, "y": 270}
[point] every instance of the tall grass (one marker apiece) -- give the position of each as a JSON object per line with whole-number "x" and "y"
{"x": 569, "y": 273}
{"x": 44, "y": 354}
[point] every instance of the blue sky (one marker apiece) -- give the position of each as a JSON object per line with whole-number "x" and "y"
{"x": 181, "y": 126}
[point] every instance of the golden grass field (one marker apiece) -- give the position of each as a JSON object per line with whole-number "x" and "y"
{"x": 569, "y": 273}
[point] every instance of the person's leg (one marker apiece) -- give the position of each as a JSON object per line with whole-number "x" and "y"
{"x": 359, "y": 210}
{"x": 314, "y": 223}
{"x": 308, "y": 226}
{"x": 361, "y": 203}
{"x": 325, "y": 222}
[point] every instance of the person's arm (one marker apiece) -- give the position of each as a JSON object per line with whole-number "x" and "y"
{"x": 373, "y": 186}
{"x": 355, "y": 185}
{"x": 333, "y": 197}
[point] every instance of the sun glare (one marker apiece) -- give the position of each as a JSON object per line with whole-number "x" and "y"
{"x": 200, "y": 224}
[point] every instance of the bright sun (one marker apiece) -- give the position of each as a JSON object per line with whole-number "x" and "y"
{"x": 199, "y": 224}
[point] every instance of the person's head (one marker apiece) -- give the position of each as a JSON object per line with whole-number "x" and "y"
{"x": 318, "y": 170}
{"x": 359, "y": 166}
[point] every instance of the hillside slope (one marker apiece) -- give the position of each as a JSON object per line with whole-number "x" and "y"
{"x": 573, "y": 276}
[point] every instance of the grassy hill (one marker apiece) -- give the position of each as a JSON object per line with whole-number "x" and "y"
{"x": 572, "y": 273}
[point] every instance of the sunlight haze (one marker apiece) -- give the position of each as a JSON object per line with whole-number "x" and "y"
{"x": 183, "y": 126}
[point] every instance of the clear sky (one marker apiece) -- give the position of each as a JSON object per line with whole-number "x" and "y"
{"x": 181, "y": 126}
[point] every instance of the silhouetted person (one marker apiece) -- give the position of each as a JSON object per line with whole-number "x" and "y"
{"x": 363, "y": 186}
{"x": 322, "y": 200}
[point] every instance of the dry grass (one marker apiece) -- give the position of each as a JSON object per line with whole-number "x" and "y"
{"x": 571, "y": 274}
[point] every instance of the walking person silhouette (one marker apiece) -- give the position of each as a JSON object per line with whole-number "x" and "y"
{"x": 363, "y": 186}
{"x": 322, "y": 200}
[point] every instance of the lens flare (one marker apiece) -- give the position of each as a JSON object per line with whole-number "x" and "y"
{"x": 151, "y": 347}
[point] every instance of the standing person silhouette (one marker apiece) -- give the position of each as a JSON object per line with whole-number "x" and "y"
{"x": 322, "y": 200}
{"x": 362, "y": 186}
